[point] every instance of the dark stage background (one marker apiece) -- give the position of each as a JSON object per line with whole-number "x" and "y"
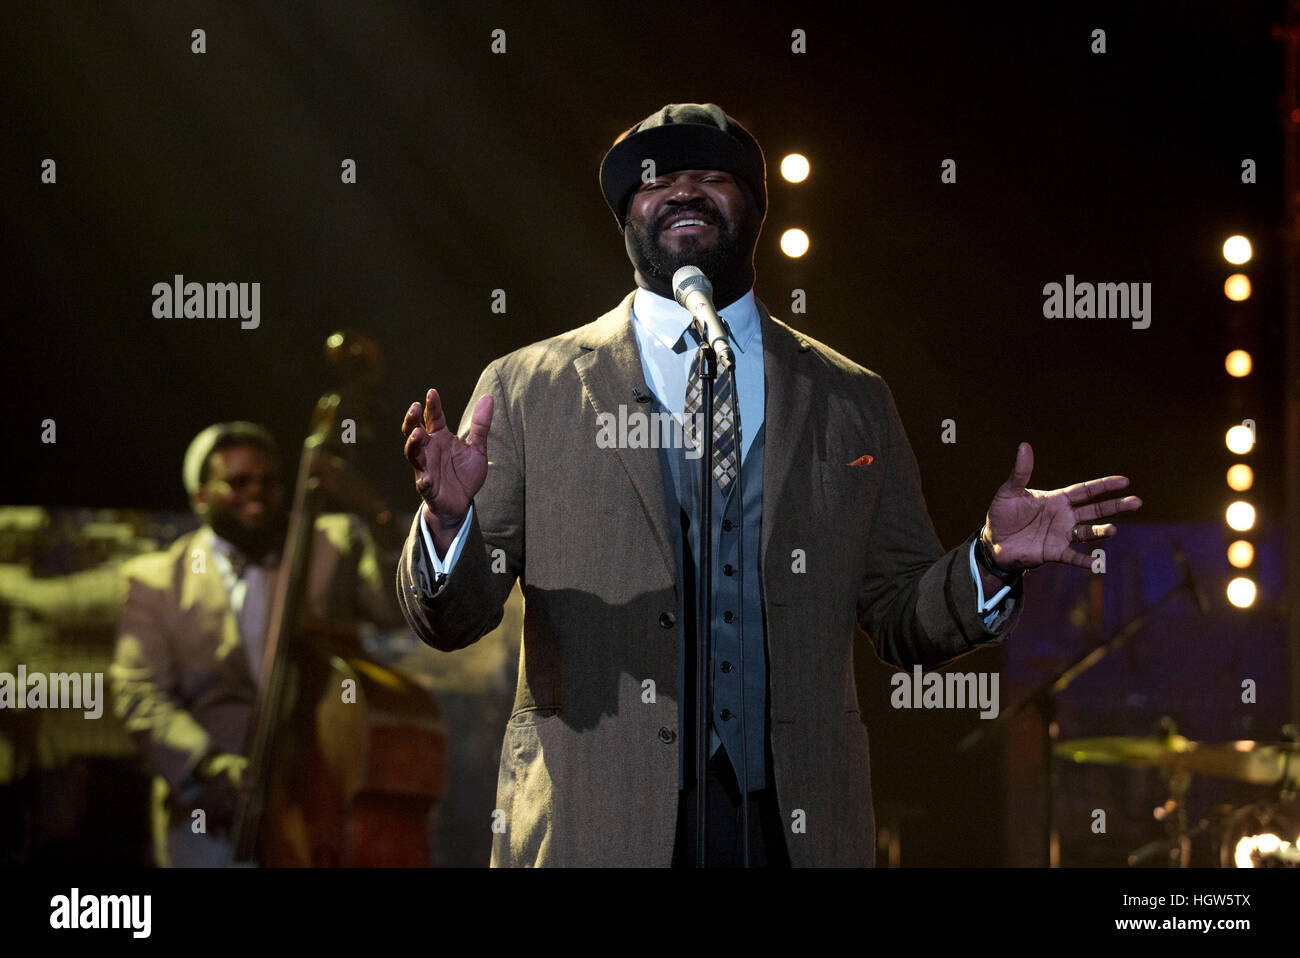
{"x": 477, "y": 171}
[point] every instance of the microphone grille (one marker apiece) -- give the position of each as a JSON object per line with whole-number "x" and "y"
{"x": 688, "y": 279}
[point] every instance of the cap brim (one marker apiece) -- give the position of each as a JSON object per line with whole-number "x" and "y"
{"x": 677, "y": 146}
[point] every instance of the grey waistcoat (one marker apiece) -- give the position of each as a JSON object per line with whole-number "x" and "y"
{"x": 738, "y": 631}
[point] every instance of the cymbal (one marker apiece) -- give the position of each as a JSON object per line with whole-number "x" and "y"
{"x": 1259, "y": 763}
{"x": 1122, "y": 750}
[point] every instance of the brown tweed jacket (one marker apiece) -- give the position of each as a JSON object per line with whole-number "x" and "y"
{"x": 588, "y": 772}
{"x": 180, "y": 676}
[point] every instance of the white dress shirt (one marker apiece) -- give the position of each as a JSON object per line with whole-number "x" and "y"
{"x": 249, "y": 589}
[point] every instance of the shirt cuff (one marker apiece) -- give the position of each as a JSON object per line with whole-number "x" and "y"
{"x": 988, "y": 609}
{"x": 442, "y": 567}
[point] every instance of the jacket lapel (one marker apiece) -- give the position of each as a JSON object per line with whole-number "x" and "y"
{"x": 207, "y": 603}
{"x": 609, "y": 371}
{"x": 613, "y": 366}
{"x": 787, "y": 399}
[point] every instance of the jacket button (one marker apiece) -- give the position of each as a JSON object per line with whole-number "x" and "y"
{"x": 667, "y": 620}
{"x": 726, "y": 525}
{"x": 726, "y": 715}
{"x": 667, "y": 735}
{"x": 727, "y": 617}
{"x": 726, "y": 666}
{"x": 727, "y": 569}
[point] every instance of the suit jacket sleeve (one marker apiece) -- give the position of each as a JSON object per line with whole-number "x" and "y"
{"x": 917, "y": 603}
{"x": 469, "y": 603}
{"x": 144, "y": 679}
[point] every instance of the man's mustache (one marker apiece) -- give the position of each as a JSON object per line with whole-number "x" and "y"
{"x": 709, "y": 216}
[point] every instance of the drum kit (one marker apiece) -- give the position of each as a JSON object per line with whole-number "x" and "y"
{"x": 1259, "y": 835}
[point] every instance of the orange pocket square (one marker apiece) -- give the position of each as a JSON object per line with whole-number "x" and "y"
{"x": 863, "y": 461}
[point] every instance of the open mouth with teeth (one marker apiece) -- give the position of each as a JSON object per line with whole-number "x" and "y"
{"x": 687, "y": 224}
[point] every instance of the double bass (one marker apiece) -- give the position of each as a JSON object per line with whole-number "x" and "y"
{"x": 347, "y": 757}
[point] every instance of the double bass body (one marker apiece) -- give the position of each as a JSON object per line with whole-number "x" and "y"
{"x": 347, "y": 757}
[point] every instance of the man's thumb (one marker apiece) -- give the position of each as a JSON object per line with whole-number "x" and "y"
{"x": 1023, "y": 468}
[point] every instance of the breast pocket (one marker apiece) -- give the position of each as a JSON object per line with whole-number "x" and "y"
{"x": 817, "y": 555}
{"x": 850, "y": 494}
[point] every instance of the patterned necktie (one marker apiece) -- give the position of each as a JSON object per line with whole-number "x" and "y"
{"x": 726, "y": 417}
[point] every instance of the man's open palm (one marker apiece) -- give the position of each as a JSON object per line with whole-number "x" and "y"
{"x": 1028, "y": 527}
{"x": 448, "y": 470}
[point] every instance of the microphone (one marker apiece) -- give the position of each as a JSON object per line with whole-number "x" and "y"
{"x": 1202, "y": 602}
{"x": 693, "y": 291}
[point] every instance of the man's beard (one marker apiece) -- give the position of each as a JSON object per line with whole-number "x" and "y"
{"x": 254, "y": 543}
{"x": 654, "y": 260}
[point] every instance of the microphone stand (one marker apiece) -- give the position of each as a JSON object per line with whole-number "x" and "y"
{"x": 707, "y": 362}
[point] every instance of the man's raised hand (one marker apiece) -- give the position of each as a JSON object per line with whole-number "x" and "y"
{"x": 1027, "y": 527}
{"x": 448, "y": 470}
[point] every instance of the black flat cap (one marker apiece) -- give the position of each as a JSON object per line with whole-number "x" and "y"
{"x": 682, "y": 136}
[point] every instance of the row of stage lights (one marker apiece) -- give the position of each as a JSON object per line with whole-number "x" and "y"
{"x": 795, "y": 169}
{"x": 1240, "y": 439}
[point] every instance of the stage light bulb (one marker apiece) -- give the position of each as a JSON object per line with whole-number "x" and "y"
{"x": 1240, "y": 477}
{"x": 1236, "y": 250}
{"x": 795, "y": 168}
{"x": 1241, "y": 853}
{"x": 1240, "y": 439}
{"x": 1265, "y": 844}
{"x": 1238, "y": 363}
{"x": 794, "y": 243}
{"x": 1241, "y": 516}
{"x": 1241, "y": 554}
{"x": 1241, "y": 592}
{"x": 1237, "y": 287}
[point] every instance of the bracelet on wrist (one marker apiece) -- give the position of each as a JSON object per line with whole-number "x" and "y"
{"x": 986, "y": 562}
